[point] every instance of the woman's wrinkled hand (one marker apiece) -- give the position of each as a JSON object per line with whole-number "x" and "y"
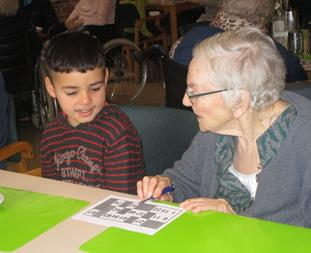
{"x": 204, "y": 204}
{"x": 153, "y": 187}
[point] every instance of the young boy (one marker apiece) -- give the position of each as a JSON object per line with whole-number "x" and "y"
{"x": 90, "y": 142}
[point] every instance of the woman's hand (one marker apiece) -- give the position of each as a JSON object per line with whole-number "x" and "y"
{"x": 153, "y": 187}
{"x": 204, "y": 204}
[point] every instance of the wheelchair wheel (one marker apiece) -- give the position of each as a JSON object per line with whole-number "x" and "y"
{"x": 47, "y": 107}
{"x": 127, "y": 72}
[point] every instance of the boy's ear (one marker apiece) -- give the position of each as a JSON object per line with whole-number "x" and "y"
{"x": 49, "y": 87}
{"x": 106, "y": 76}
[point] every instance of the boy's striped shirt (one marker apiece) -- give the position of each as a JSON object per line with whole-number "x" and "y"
{"x": 105, "y": 153}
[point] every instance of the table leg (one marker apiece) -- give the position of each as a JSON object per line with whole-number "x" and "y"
{"x": 173, "y": 19}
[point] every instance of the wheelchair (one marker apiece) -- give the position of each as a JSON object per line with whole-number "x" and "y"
{"x": 127, "y": 71}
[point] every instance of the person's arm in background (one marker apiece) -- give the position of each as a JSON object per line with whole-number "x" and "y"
{"x": 73, "y": 21}
{"x": 107, "y": 11}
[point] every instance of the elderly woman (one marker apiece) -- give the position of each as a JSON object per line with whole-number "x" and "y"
{"x": 251, "y": 155}
{"x": 235, "y": 14}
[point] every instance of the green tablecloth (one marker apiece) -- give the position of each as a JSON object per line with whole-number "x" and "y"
{"x": 208, "y": 232}
{"x": 25, "y": 215}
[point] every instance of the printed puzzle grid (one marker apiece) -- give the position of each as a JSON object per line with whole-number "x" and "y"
{"x": 145, "y": 217}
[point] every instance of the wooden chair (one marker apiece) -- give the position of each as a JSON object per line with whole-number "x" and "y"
{"x": 25, "y": 150}
{"x": 19, "y": 147}
{"x": 14, "y": 151}
{"x": 35, "y": 172}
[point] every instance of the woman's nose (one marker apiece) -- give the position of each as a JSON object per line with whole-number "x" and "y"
{"x": 186, "y": 101}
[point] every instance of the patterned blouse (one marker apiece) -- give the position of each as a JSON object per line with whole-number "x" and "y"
{"x": 230, "y": 187}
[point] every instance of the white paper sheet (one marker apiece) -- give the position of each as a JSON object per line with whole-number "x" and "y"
{"x": 147, "y": 217}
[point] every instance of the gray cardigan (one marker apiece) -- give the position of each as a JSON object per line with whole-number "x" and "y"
{"x": 284, "y": 188}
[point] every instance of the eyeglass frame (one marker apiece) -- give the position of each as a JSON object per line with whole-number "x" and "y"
{"x": 195, "y": 95}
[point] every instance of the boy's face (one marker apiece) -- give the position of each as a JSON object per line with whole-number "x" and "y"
{"x": 80, "y": 95}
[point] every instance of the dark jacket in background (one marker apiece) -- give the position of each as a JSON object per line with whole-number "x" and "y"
{"x": 19, "y": 48}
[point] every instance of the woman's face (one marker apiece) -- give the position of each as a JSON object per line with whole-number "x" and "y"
{"x": 212, "y": 113}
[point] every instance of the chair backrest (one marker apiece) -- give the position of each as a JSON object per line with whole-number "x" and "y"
{"x": 301, "y": 87}
{"x": 14, "y": 151}
{"x": 10, "y": 118}
{"x": 166, "y": 133}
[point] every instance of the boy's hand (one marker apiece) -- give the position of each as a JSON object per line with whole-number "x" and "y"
{"x": 153, "y": 187}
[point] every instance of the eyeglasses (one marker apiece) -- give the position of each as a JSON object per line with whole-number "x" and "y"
{"x": 195, "y": 95}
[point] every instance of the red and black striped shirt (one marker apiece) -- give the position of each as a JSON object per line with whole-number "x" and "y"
{"x": 105, "y": 153}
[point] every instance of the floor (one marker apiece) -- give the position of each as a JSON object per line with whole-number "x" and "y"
{"x": 153, "y": 94}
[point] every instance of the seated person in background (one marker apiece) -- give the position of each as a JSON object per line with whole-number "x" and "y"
{"x": 4, "y": 131}
{"x": 232, "y": 15}
{"x": 40, "y": 13}
{"x": 91, "y": 12}
{"x": 90, "y": 142}
{"x": 251, "y": 156}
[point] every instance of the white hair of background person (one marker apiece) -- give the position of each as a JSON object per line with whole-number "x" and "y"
{"x": 243, "y": 59}
{"x": 255, "y": 11}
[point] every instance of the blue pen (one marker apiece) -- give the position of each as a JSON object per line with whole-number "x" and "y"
{"x": 167, "y": 189}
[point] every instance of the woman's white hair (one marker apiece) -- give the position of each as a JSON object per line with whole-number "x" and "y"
{"x": 8, "y": 7}
{"x": 243, "y": 59}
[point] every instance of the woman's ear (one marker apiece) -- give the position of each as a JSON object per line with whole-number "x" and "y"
{"x": 49, "y": 87}
{"x": 242, "y": 105}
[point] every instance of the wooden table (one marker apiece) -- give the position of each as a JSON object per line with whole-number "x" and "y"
{"x": 173, "y": 8}
{"x": 67, "y": 236}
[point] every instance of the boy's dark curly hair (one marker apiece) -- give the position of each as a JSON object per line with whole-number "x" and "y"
{"x": 72, "y": 51}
